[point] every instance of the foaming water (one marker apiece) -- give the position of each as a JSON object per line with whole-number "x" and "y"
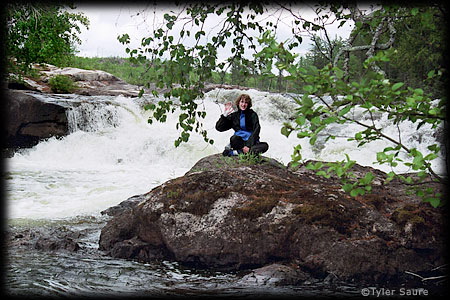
{"x": 111, "y": 155}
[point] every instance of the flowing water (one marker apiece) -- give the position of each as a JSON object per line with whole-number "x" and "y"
{"x": 113, "y": 153}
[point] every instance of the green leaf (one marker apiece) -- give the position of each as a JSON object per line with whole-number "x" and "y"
{"x": 315, "y": 120}
{"x": 300, "y": 120}
{"x": 307, "y": 101}
{"x": 323, "y": 174}
{"x": 357, "y": 191}
{"x": 397, "y": 86}
{"x": 309, "y": 89}
{"x": 349, "y": 97}
{"x": 344, "y": 111}
{"x": 124, "y": 38}
{"x": 285, "y": 131}
{"x": 430, "y": 156}
{"x": 418, "y": 92}
{"x": 150, "y": 106}
{"x": 314, "y": 166}
{"x": 182, "y": 117}
{"x": 339, "y": 73}
{"x": 367, "y": 179}
{"x": 347, "y": 187}
{"x": 433, "y": 201}
{"x": 303, "y": 134}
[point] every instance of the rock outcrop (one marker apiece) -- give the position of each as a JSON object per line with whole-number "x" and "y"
{"x": 89, "y": 82}
{"x": 232, "y": 215}
{"x": 30, "y": 119}
{"x": 54, "y": 239}
{"x": 93, "y": 82}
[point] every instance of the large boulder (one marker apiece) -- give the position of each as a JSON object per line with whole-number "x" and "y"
{"x": 30, "y": 119}
{"x": 228, "y": 214}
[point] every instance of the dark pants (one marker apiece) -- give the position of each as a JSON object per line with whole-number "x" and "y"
{"x": 237, "y": 143}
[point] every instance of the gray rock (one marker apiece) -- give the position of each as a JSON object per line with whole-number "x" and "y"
{"x": 30, "y": 120}
{"x": 123, "y": 206}
{"x": 230, "y": 215}
{"x": 275, "y": 275}
{"x": 89, "y": 82}
{"x": 45, "y": 239}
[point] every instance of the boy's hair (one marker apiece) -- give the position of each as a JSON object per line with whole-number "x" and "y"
{"x": 246, "y": 98}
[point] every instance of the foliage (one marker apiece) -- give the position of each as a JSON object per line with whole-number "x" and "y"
{"x": 191, "y": 66}
{"x": 370, "y": 95}
{"x": 336, "y": 76}
{"x": 62, "y": 84}
{"x": 40, "y": 33}
{"x": 249, "y": 158}
{"x": 323, "y": 52}
{"x": 418, "y": 48}
{"x": 123, "y": 68}
{"x": 411, "y": 60}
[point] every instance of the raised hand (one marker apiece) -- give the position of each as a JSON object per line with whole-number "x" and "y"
{"x": 228, "y": 108}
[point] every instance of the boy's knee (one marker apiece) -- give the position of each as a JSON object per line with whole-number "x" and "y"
{"x": 260, "y": 148}
{"x": 237, "y": 142}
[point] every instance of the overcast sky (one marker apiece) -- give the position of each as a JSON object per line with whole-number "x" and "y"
{"x": 109, "y": 21}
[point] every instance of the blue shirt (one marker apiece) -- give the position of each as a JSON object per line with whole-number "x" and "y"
{"x": 243, "y": 133}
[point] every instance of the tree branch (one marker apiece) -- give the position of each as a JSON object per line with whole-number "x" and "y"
{"x": 357, "y": 17}
{"x": 382, "y": 135}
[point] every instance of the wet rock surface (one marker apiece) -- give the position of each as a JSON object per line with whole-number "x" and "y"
{"x": 45, "y": 239}
{"x": 69, "y": 237}
{"x": 275, "y": 275}
{"x": 30, "y": 120}
{"x": 231, "y": 215}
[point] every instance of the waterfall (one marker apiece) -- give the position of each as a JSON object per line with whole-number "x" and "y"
{"x": 92, "y": 117}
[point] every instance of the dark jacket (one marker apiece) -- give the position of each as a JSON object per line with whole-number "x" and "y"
{"x": 232, "y": 121}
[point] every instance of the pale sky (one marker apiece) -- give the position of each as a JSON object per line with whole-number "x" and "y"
{"x": 108, "y": 21}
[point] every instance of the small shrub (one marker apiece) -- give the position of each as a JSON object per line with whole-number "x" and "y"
{"x": 62, "y": 84}
{"x": 250, "y": 158}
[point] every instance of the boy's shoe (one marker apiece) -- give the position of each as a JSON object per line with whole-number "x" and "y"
{"x": 229, "y": 152}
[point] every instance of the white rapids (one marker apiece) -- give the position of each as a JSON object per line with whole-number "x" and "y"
{"x": 113, "y": 153}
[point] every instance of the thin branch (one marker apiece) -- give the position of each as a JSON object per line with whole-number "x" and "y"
{"x": 382, "y": 135}
{"x": 357, "y": 16}
{"x": 426, "y": 278}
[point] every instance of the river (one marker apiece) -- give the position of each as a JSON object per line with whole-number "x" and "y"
{"x": 113, "y": 153}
